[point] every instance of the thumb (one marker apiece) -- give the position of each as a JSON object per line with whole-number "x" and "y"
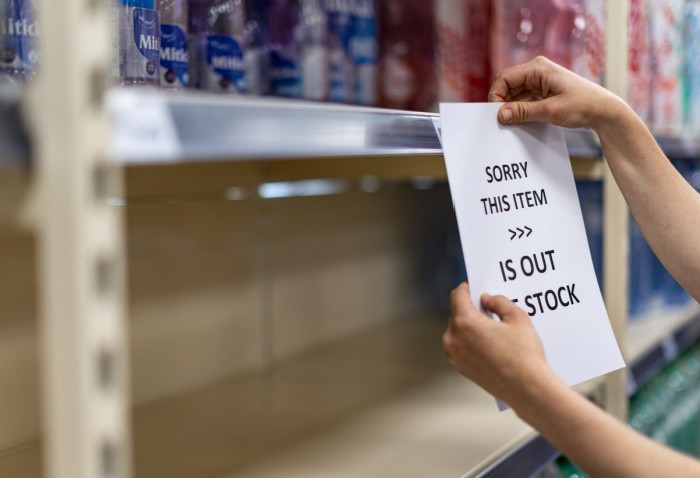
{"x": 523, "y": 112}
{"x": 501, "y": 306}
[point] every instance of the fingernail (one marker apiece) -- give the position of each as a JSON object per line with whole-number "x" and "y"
{"x": 507, "y": 115}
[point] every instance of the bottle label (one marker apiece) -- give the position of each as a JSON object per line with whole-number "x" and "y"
{"x": 226, "y": 65}
{"x": 285, "y": 76}
{"x": 147, "y": 4}
{"x": 174, "y": 57}
{"x": 139, "y": 45}
{"x": 340, "y": 65}
{"x": 364, "y": 51}
{"x": 18, "y": 32}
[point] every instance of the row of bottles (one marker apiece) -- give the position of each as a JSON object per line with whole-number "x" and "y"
{"x": 313, "y": 49}
{"x": 400, "y": 54}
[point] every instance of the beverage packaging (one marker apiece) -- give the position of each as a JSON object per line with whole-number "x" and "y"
{"x": 174, "y": 47}
{"x": 519, "y": 31}
{"x": 479, "y": 18}
{"x": 692, "y": 64}
{"x": 364, "y": 51}
{"x": 640, "y": 87}
{"x": 313, "y": 30}
{"x": 406, "y": 58}
{"x": 138, "y": 39}
{"x": 571, "y": 33}
{"x": 298, "y": 51}
{"x": 463, "y": 49}
{"x": 257, "y": 57}
{"x": 285, "y": 71}
{"x": 221, "y": 46}
{"x": 453, "y": 42}
{"x": 19, "y": 29}
{"x": 666, "y": 28}
{"x": 339, "y": 18}
{"x": 588, "y": 59}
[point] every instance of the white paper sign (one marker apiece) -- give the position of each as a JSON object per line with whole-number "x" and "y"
{"x": 523, "y": 236}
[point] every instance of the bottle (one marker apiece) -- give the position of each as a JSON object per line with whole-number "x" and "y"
{"x": 312, "y": 31}
{"x": 640, "y": 86}
{"x": 406, "y": 67}
{"x": 479, "y": 20}
{"x": 222, "y": 47}
{"x": 666, "y": 26}
{"x": 19, "y": 29}
{"x": 364, "y": 51}
{"x": 298, "y": 54}
{"x": 139, "y": 42}
{"x": 174, "y": 49}
{"x": 285, "y": 72}
{"x": 520, "y": 29}
{"x": 257, "y": 58}
{"x": 338, "y": 14}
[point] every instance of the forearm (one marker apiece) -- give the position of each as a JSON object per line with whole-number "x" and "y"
{"x": 594, "y": 440}
{"x": 664, "y": 205}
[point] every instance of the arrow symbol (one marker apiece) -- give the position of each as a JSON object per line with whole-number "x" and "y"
{"x": 520, "y": 232}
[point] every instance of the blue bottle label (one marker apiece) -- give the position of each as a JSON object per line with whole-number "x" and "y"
{"x": 146, "y": 36}
{"x": 340, "y": 66}
{"x": 226, "y": 66}
{"x": 364, "y": 51}
{"x": 174, "y": 56}
{"x": 285, "y": 76}
{"x": 363, "y": 41}
{"x": 147, "y": 4}
{"x": 18, "y": 32}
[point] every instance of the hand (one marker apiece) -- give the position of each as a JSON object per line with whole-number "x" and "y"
{"x": 503, "y": 357}
{"x": 541, "y": 90}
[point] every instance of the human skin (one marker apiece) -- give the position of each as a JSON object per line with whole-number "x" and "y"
{"x": 506, "y": 358}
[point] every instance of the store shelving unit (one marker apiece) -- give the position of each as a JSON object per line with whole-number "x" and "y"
{"x": 154, "y": 135}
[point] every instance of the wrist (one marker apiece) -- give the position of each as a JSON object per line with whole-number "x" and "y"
{"x": 612, "y": 116}
{"x": 537, "y": 392}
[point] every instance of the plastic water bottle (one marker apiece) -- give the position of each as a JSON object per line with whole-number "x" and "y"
{"x": 666, "y": 26}
{"x": 257, "y": 57}
{"x": 174, "y": 48}
{"x": 312, "y": 31}
{"x": 521, "y": 26}
{"x": 19, "y": 29}
{"x": 640, "y": 86}
{"x": 339, "y": 62}
{"x": 222, "y": 47}
{"x": 406, "y": 58}
{"x": 138, "y": 42}
{"x": 285, "y": 71}
{"x": 298, "y": 54}
{"x": 364, "y": 51}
